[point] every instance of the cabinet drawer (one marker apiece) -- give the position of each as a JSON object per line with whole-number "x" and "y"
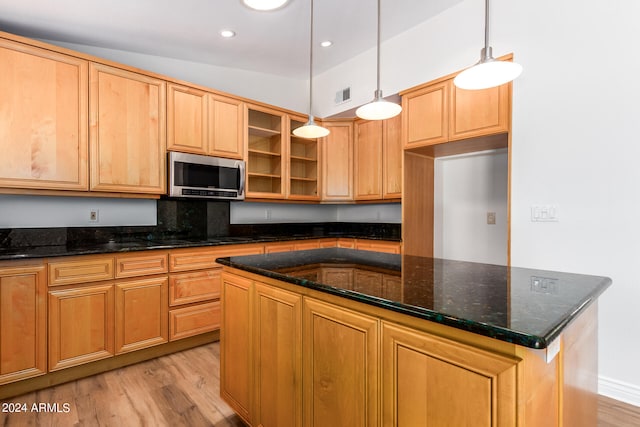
{"x": 193, "y": 259}
{"x": 141, "y": 265}
{"x": 194, "y": 287}
{"x": 194, "y": 320}
{"x": 80, "y": 271}
{"x": 378, "y": 246}
{"x": 200, "y": 259}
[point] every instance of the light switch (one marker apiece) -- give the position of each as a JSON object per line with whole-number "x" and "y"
{"x": 544, "y": 213}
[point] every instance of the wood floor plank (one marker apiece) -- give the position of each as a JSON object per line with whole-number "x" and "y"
{"x": 180, "y": 389}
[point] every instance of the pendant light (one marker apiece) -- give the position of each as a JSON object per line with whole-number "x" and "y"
{"x": 378, "y": 109}
{"x": 488, "y": 72}
{"x": 311, "y": 129}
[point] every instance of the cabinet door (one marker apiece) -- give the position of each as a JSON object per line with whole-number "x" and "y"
{"x": 81, "y": 325}
{"x": 367, "y": 154}
{"x": 267, "y": 139}
{"x": 479, "y": 112}
{"x": 337, "y": 162}
{"x": 431, "y": 381}
{"x": 22, "y": 322}
{"x": 226, "y": 127}
{"x": 340, "y": 366}
{"x": 392, "y": 158}
{"x": 127, "y": 133}
{"x": 141, "y": 314}
{"x": 236, "y": 355}
{"x": 378, "y": 246}
{"x": 43, "y": 119}
{"x": 187, "y": 119}
{"x": 278, "y": 357}
{"x": 304, "y": 164}
{"x": 425, "y": 115}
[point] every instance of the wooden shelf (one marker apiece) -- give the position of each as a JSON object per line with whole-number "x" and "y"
{"x": 263, "y": 175}
{"x": 264, "y": 153}
{"x": 305, "y": 159}
{"x": 259, "y": 131}
{"x": 301, "y": 178}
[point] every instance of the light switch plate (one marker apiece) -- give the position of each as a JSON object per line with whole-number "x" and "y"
{"x": 544, "y": 213}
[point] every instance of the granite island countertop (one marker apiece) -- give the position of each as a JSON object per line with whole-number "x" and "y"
{"x": 524, "y": 306}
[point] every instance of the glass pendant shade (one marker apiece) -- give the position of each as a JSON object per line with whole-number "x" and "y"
{"x": 265, "y": 4}
{"x": 378, "y": 109}
{"x": 311, "y": 130}
{"x": 488, "y": 72}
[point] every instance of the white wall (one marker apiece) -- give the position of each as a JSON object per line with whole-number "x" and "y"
{"x": 265, "y": 213}
{"x": 274, "y": 90}
{"x": 44, "y": 211}
{"x": 466, "y": 187}
{"x": 575, "y": 139}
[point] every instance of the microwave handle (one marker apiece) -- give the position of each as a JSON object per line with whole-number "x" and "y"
{"x": 242, "y": 178}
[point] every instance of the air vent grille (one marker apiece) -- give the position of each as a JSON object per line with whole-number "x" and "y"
{"x": 343, "y": 95}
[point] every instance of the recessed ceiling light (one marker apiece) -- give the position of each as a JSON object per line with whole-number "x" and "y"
{"x": 227, "y": 34}
{"x": 326, "y": 43}
{"x": 264, "y": 4}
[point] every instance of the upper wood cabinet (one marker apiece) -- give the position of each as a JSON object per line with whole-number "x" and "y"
{"x": 337, "y": 162}
{"x": 43, "y": 118}
{"x": 479, "y": 112}
{"x": 367, "y": 153}
{"x": 439, "y": 112}
{"x": 203, "y": 123}
{"x": 304, "y": 165}
{"x": 267, "y": 132}
{"x": 378, "y": 159}
{"x": 425, "y": 115}
{"x": 23, "y": 340}
{"x": 127, "y": 132}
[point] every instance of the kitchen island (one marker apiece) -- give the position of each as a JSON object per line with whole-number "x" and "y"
{"x": 344, "y": 337}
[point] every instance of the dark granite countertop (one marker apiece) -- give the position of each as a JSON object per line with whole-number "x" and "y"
{"x": 140, "y": 244}
{"x": 524, "y": 306}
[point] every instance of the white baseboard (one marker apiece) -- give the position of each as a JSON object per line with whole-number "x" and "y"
{"x": 619, "y": 390}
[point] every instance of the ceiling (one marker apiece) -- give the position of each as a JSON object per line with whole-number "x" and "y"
{"x": 270, "y": 42}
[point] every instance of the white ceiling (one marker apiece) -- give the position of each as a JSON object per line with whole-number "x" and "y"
{"x": 270, "y": 42}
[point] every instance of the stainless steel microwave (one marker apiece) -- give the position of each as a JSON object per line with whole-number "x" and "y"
{"x": 205, "y": 177}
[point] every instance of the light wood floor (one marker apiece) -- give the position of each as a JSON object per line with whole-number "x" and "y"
{"x": 181, "y": 389}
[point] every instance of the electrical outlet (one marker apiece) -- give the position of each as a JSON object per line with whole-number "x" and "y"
{"x": 491, "y": 218}
{"x": 94, "y": 215}
{"x": 544, "y": 213}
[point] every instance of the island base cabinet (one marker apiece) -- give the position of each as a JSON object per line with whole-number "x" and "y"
{"x": 278, "y": 357}
{"x": 236, "y": 356}
{"x": 340, "y": 366}
{"x": 429, "y": 381}
{"x": 22, "y": 323}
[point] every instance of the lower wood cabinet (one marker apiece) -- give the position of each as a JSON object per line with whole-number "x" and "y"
{"x": 277, "y": 364}
{"x": 340, "y": 371}
{"x": 141, "y": 313}
{"x": 194, "y": 320}
{"x": 428, "y": 380}
{"x": 23, "y": 291}
{"x": 236, "y": 356}
{"x": 297, "y": 357}
{"x": 81, "y": 325}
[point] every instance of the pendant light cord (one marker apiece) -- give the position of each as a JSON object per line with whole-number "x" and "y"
{"x": 311, "y": 65}
{"x": 486, "y": 24}
{"x": 378, "y": 53}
